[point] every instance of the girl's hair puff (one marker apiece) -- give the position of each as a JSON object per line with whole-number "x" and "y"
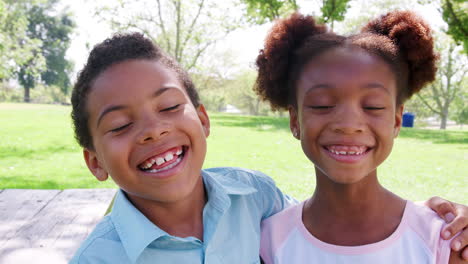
{"x": 413, "y": 38}
{"x": 274, "y": 60}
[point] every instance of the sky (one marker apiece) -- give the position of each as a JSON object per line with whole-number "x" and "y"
{"x": 91, "y": 31}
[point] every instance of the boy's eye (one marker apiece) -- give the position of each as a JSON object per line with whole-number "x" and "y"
{"x": 120, "y": 128}
{"x": 170, "y": 108}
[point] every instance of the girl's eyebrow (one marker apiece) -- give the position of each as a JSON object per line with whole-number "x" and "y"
{"x": 378, "y": 86}
{"x": 114, "y": 108}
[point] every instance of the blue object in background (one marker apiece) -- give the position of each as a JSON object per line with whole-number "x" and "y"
{"x": 408, "y": 119}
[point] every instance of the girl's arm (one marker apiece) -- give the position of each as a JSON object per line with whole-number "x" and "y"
{"x": 456, "y": 216}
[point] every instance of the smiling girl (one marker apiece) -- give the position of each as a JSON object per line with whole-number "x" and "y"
{"x": 345, "y": 98}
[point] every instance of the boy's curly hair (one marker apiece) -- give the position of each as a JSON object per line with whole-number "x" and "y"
{"x": 114, "y": 50}
{"x": 401, "y": 38}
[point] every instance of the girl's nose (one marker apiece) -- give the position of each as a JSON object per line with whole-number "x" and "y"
{"x": 348, "y": 120}
{"x": 153, "y": 129}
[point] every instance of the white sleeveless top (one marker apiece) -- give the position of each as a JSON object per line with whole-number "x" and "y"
{"x": 285, "y": 239}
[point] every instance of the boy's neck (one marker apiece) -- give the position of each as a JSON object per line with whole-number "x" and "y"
{"x": 352, "y": 214}
{"x": 183, "y": 218}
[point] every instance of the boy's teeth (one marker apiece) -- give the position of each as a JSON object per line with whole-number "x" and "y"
{"x": 169, "y": 157}
{"x": 160, "y": 161}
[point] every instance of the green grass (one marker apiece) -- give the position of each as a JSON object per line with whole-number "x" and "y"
{"x": 37, "y": 150}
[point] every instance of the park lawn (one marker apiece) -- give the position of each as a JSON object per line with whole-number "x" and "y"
{"x": 38, "y": 151}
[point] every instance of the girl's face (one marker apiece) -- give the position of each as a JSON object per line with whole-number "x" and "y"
{"x": 346, "y": 115}
{"x": 147, "y": 134}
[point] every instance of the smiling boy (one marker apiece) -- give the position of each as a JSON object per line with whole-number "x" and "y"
{"x": 138, "y": 117}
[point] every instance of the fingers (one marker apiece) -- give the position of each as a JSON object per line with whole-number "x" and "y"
{"x": 458, "y": 225}
{"x": 445, "y": 209}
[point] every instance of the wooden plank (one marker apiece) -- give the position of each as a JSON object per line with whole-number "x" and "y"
{"x": 57, "y": 230}
{"x": 18, "y": 207}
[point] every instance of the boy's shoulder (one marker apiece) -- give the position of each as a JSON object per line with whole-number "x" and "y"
{"x": 103, "y": 239}
{"x": 230, "y": 175}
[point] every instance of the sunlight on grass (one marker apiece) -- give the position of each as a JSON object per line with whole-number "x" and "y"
{"x": 37, "y": 150}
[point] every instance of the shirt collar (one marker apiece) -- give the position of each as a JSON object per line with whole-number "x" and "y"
{"x": 136, "y": 231}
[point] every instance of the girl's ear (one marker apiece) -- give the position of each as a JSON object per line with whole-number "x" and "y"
{"x": 398, "y": 120}
{"x": 94, "y": 165}
{"x": 293, "y": 122}
{"x": 204, "y": 119}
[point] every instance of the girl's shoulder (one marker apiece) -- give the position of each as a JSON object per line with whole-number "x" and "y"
{"x": 425, "y": 226}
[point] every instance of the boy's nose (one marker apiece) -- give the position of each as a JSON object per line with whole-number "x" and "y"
{"x": 153, "y": 129}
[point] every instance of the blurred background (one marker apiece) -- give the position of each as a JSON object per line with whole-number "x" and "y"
{"x": 44, "y": 44}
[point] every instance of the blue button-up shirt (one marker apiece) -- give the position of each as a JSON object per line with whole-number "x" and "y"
{"x": 238, "y": 200}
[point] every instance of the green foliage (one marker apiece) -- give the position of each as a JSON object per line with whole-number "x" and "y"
{"x": 42, "y": 153}
{"x": 333, "y": 10}
{"x": 9, "y": 93}
{"x": 16, "y": 48}
{"x": 455, "y": 13}
{"x": 262, "y": 11}
{"x": 450, "y": 84}
{"x": 53, "y": 30}
{"x": 48, "y": 94}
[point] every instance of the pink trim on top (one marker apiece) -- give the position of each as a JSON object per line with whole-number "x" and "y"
{"x": 351, "y": 250}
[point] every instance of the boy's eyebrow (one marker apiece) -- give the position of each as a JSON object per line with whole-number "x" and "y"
{"x": 113, "y": 108}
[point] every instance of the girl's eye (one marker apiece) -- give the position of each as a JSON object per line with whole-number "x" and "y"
{"x": 170, "y": 108}
{"x": 321, "y": 106}
{"x": 115, "y": 130}
{"x": 373, "y": 108}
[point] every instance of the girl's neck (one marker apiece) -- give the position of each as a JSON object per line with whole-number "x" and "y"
{"x": 182, "y": 218}
{"x": 352, "y": 214}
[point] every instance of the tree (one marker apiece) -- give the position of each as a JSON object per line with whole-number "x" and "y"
{"x": 53, "y": 31}
{"x": 455, "y": 13}
{"x": 262, "y": 11}
{"x": 333, "y": 10}
{"x": 16, "y": 48}
{"x": 449, "y": 85}
{"x": 184, "y": 29}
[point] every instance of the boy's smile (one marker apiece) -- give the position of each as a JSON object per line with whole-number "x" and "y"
{"x": 147, "y": 134}
{"x": 346, "y": 116}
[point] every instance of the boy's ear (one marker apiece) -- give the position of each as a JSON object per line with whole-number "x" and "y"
{"x": 205, "y": 120}
{"x": 398, "y": 120}
{"x": 94, "y": 165}
{"x": 293, "y": 122}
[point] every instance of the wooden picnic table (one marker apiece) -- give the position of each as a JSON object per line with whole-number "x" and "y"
{"x": 48, "y": 226}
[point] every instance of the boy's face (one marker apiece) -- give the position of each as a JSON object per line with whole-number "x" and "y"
{"x": 346, "y": 116}
{"x": 147, "y": 134}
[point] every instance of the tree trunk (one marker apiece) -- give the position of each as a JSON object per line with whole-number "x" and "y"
{"x": 26, "y": 95}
